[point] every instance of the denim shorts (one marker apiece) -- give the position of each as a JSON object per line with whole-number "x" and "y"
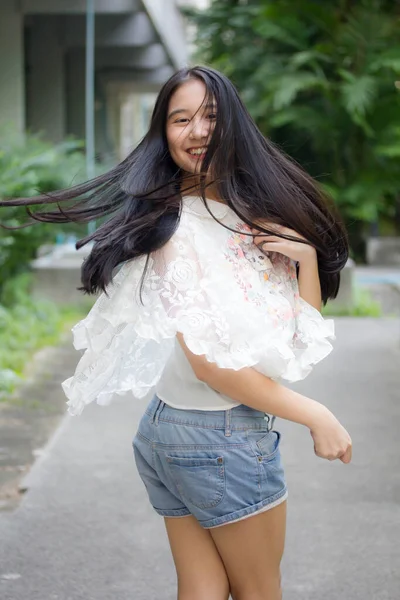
{"x": 219, "y": 466}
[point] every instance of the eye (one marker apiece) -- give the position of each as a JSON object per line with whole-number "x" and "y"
{"x": 181, "y": 120}
{"x": 212, "y": 116}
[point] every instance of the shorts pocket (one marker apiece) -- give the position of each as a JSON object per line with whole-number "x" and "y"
{"x": 264, "y": 445}
{"x": 201, "y": 481}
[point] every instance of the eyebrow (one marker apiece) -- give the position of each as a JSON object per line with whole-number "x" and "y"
{"x": 181, "y": 110}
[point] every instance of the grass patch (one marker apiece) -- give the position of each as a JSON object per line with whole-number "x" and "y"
{"x": 364, "y": 306}
{"x": 27, "y": 325}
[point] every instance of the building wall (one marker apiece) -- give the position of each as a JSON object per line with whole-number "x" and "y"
{"x": 12, "y": 88}
{"x": 45, "y": 83}
{"x": 42, "y": 67}
{"x": 129, "y": 111}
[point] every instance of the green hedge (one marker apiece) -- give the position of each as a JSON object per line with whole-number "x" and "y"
{"x": 27, "y": 168}
{"x": 27, "y": 325}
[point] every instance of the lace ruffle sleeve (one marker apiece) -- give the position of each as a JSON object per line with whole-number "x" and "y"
{"x": 232, "y": 305}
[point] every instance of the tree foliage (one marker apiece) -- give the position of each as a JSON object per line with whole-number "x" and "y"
{"x": 319, "y": 79}
{"x": 28, "y": 168}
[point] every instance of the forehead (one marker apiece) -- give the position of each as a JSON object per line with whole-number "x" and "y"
{"x": 189, "y": 96}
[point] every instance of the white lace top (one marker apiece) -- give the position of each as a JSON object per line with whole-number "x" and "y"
{"x": 233, "y": 304}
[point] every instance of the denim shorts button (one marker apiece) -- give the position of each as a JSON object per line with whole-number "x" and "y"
{"x": 220, "y": 460}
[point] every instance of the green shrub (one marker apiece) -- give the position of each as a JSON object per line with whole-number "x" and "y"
{"x": 25, "y": 326}
{"x": 364, "y": 306}
{"x": 28, "y": 168}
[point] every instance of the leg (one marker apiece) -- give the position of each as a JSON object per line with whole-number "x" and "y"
{"x": 200, "y": 570}
{"x": 251, "y": 551}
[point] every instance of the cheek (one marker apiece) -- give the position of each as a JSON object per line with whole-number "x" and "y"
{"x": 173, "y": 144}
{"x": 176, "y": 156}
{"x": 175, "y": 150}
{"x": 174, "y": 136}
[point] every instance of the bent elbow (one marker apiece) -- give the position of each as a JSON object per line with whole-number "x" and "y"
{"x": 201, "y": 372}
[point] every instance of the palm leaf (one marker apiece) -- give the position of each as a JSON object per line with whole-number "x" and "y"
{"x": 287, "y": 87}
{"x": 358, "y": 93}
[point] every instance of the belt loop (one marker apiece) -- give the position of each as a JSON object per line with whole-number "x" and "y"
{"x": 160, "y": 408}
{"x": 272, "y": 423}
{"x": 153, "y": 418}
{"x": 228, "y": 419}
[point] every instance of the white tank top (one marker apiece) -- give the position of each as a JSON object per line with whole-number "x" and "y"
{"x": 180, "y": 388}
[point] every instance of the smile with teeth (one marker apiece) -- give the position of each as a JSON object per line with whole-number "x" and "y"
{"x": 197, "y": 151}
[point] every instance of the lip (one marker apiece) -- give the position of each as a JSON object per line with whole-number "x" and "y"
{"x": 196, "y": 156}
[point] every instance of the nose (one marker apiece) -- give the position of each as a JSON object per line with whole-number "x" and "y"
{"x": 199, "y": 128}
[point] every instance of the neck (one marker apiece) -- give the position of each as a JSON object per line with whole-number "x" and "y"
{"x": 211, "y": 192}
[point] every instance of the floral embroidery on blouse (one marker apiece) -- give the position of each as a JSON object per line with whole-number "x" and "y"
{"x": 245, "y": 256}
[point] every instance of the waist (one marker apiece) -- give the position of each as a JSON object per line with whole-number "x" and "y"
{"x": 241, "y": 417}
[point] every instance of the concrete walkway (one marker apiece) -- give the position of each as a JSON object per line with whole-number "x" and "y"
{"x": 85, "y": 531}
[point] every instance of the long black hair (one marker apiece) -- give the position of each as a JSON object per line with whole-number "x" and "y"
{"x": 143, "y": 194}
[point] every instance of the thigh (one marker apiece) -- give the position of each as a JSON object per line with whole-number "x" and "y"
{"x": 251, "y": 551}
{"x": 200, "y": 570}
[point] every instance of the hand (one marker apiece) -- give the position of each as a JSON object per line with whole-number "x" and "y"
{"x": 270, "y": 243}
{"x": 331, "y": 440}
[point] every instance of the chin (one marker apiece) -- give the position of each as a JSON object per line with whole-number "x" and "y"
{"x": 191, "y": 170}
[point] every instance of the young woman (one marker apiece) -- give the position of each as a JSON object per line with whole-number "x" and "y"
{"x": 214, "y": 263}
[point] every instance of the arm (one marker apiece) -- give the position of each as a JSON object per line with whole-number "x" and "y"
{"x": 309, "y": 283}
{"x": 253, "y": 389}
{"x": 250, "y": 387}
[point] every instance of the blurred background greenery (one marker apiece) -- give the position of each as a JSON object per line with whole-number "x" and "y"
{"x": 27, "y": 167}
{"x": 26, "y": 324}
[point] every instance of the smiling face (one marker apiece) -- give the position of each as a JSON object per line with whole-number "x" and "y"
{"x": 190, "y": 123}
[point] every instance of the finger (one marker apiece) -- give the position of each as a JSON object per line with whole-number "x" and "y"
{"x": 272, "y": 231}
{"x": 280, "y": 229}
{"x": 346, "y": 457}
{"x": 262, "y": 239}
{"x": 266, "y": 239}
{"x": 273, "y": 246}
{"x": 270, "y": 225}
